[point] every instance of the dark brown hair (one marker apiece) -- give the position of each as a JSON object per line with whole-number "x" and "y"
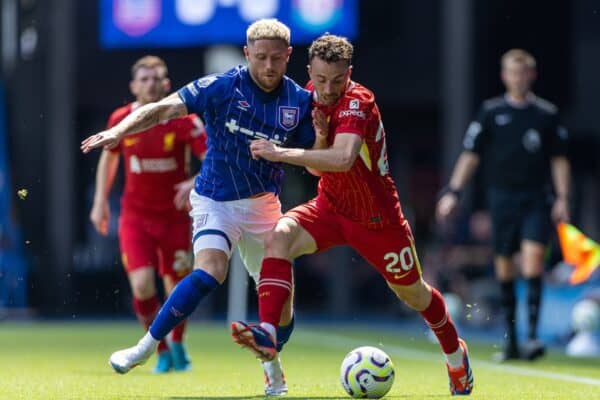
{"x": 331, "y": 48}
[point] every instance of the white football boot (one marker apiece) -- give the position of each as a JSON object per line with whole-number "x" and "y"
{"x": 123, "y": 361}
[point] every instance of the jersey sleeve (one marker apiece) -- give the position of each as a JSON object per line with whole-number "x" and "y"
{"x": 559, "y": 138}
{"x": 477, "y": 133}
{"x": 354, "y": 116}
{"x": 191, "y": 131}
{"x": 197, "y": 94}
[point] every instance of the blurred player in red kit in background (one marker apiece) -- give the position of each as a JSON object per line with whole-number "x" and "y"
{"x": 357, "y": 205}
{"x": 154, "y": 226}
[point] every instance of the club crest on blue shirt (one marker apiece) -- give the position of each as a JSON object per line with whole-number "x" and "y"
{"x": 288, "y": 117}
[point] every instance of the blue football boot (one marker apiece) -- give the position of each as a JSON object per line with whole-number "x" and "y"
{"x": 256, "y": 339}
{"x": 181, "y": 360}
{"x": 164, "y": 362}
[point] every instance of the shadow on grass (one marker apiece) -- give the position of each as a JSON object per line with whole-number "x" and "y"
{"x": 408, "y": 396}
{"x": 254, "y": 397}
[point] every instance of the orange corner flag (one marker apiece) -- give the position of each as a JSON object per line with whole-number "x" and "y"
{"x": 578, "y": 250}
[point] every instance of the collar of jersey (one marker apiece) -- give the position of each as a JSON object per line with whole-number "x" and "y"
{"x": 265, "y": 97}
{"x": 529, "y": 99}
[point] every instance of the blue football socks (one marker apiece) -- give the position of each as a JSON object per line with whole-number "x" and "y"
{"x": 182, "y": 302}
{"x": 284, "y": 333}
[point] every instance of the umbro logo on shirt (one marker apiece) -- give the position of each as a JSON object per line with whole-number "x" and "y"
{"x": 502, "y": 119}
{"x": 243, "y": 105}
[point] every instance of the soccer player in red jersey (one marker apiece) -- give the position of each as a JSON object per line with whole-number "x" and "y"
{"x": 154, "y": 226}
{"x": 357, "y": 205}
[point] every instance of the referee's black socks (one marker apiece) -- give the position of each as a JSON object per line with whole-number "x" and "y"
{"x": 534, "y": 295}
{"x": 508, "y": 304}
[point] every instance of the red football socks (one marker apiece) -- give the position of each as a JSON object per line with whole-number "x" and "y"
{"x": 274, "y": 287}
{"x": 177, "y": 332}
{"x": 146, "y": 310}
{"x": 437, "y": 318}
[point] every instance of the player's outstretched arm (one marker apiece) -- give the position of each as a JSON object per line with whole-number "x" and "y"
{"x": 338, "y": 158}
{"x": 141, "y": 119}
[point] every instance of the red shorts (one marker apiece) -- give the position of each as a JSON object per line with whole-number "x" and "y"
{"x": 162, "y": 243}
{"x": 391, "y": 250}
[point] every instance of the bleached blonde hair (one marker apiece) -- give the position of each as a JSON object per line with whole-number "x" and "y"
{"x": 268, "y": 28}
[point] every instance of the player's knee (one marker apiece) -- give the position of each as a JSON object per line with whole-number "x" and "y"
{"x": 416, "y": 296}
{"x": 142, "y": 290}
{"x": 278, "y": 243}
{"x": 213, "y": 262}
{"x": 532, "y": 261}
{"x": 216, "y": 270}
{"x": 169, "y": 282}
{"x": 142, "y": 283}
{"x": 532, "y": 270}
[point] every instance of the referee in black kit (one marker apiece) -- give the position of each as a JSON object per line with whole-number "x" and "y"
{"x": 523, "y": 148}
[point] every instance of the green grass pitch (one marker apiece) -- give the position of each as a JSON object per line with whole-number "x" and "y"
{"x": 69, "y": 361}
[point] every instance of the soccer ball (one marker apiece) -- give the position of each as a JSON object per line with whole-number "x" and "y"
{"x": 367, "y": 372}
{"x": 585, "y": 316}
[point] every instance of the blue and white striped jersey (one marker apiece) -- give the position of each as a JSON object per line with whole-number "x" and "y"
{"x": 236, "y": 111}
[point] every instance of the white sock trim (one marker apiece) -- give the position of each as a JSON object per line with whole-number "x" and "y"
{"x": 148, "y": 342}
{"x": 269, "y": 328}
{"x": 455, "y": 359}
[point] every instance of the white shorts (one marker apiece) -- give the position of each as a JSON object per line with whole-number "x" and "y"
{"x": 224, "y": 224}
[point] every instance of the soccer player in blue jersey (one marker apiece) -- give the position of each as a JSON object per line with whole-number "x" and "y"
{"x": 235, "y": 201}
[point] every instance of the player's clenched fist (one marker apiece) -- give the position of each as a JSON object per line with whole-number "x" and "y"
{"x": 262, "y": 148}
{"x": 100, "y": 217}
{"x": 107, "y": 139}
{"x": 182, "y": 194}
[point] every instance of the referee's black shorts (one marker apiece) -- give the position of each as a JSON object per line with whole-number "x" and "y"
{"x": 517, "y": 215}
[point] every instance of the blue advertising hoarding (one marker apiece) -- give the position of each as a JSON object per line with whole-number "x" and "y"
{"x": 186, "y": 23}
{"x": 13, "y": 266}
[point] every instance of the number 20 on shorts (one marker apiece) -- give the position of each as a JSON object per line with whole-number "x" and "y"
{"x": 405, "y": 258}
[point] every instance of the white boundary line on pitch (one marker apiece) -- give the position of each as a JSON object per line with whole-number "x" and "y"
{"x": 340, "y": 341}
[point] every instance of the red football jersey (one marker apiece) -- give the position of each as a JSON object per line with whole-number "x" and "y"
{"x": 366, "y": 193}
{"x": 156, "y": 160}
